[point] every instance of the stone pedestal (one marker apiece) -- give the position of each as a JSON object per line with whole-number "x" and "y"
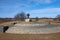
{"x": 27, "y": 20}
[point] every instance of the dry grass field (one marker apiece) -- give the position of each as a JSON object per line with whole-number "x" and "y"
{"x": 53, "y": 36}
{"x": 55, "y": 22}
{"x": 8, "y": 23}
{"x": 6, "y": 36}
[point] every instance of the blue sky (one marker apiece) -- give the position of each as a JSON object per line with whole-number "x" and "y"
{"x": 36, "y": 8}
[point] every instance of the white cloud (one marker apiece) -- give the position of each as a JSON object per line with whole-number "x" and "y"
{"x": 46, "y": 10}
{"x": 42, "y": 1}
{"x": 38, "y": 2}
{"x": 48, "y": 1}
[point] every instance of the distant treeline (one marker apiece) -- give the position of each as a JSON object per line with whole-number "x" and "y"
{"x": 6, "y": 19}
{"x": 12, "y": 19}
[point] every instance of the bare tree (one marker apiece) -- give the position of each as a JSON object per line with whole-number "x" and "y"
{"x": 57, "y": 17}
{"x": 37, "y": 18}
{"x": 20, "y": 16}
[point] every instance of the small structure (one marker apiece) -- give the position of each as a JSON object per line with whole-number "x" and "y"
{"x": 27, "y": 20}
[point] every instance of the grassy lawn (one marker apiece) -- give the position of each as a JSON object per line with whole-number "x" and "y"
{"x": 53, "y": 36}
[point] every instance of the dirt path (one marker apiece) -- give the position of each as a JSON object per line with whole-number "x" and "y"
{"x": 5, "y": 36}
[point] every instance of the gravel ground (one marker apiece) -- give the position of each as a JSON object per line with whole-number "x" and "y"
{"x": 24, "y": 29}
